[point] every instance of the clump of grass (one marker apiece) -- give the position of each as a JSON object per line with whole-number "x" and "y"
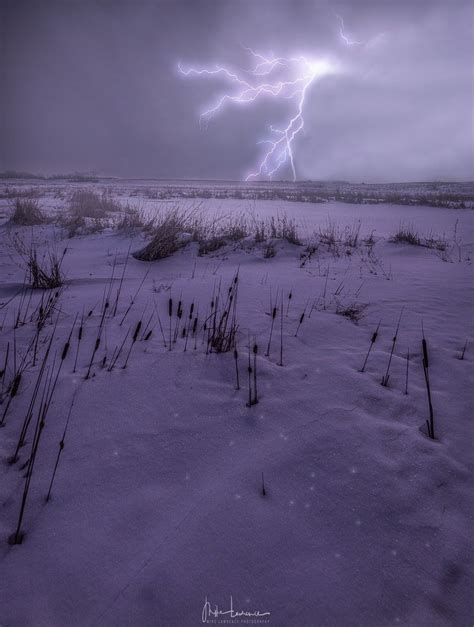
{"x": 171, "y": 232}
{"x": 333, "y": 237}
{"x": 26, "y": 212}
{"x": 45, "y": 273}
{"x": 407, "y": 235}
{"x": 211, "y": 245}
{"x": 89, "y": 204}
{"x": 353, "y": 311}
{"x": 88, "y": 212}
{"x": 133, "y": 219}
{"x": 285, "y": 228}
{"x": 223, "y": 320}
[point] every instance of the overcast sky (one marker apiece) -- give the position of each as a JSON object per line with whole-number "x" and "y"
{"x": 92, "y": 85}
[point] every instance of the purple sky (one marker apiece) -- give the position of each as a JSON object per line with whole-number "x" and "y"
{"x": 92, "y": 85}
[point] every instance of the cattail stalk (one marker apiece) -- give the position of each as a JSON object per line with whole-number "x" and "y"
{"x": 299, "y": 323}
{"x": 406, "y": 374}
{"x": 117, "y": 354}
{"x": 161, "y": 326}
{"x": 274, "y": 313}
{"x": 119, "y": 289}
{"x": 430, "y": 423}
{"x": 290, "y": 296}
{"x": 255, "y": 396}
{"x": 61, "y": 448}
{"x": 236, "y": 358}
{"x": 134, "y": 339}
{"x": 249, "y": 370}
{"x": 325, "y": 287}
{"x": 281, "y": 332}
{"x": 170, "y": 314}
{"x": 4, "y": 371}
{"x": 386, "y": 377}
{"x": 79, "y": 339}
{"x": 134, "y": 298}
{"x": 372, "y": 342}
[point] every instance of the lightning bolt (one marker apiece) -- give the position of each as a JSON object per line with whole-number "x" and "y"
{"x": 278, "y": 78}
{"x": 347, "y": 40}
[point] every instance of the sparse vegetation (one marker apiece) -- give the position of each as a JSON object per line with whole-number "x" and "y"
{"x": 26, "y": 212}
{"x": 42, "y": 272}
{"x": 407, "y": 235}
{"x": 88, "y": 204}
{"x": 45, "y": 273}
{"x": 171, "y": 232}
{"x": 352, "y": 311}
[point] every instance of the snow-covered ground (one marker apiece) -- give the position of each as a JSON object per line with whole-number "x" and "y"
{"x": 157, "y": 502}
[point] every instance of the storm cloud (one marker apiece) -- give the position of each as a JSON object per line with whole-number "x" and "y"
{"x": 93, "y": 86}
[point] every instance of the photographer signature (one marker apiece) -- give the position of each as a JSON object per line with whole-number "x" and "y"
{"x": 209, "y": 612}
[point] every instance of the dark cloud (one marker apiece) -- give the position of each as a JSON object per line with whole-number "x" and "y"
{"x": 92, "y": 85}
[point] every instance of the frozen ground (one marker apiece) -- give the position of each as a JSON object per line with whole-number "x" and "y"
{"x": 157, "y": 502}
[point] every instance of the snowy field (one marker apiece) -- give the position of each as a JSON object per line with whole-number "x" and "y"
{"x": 158, "y": 501}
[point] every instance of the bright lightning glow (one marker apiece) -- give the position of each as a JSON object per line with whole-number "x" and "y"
{"x": 279, "y": 78}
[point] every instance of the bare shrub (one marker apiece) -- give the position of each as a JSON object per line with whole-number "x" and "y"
{"x": 26, "y": 212}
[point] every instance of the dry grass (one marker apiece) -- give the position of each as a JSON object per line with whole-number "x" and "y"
{"x": 88, "y": 204}
{"x": 171, "y": 232}
{"x": 406, "y": 234}
{"x": 332, "y": 235}
{"x": 173, "y": 229}
{"x": 45, "y": 273}
{"x": 353, "y": 311}
{"x": 133, "y": 219}
{"x": 26, "y": 212}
